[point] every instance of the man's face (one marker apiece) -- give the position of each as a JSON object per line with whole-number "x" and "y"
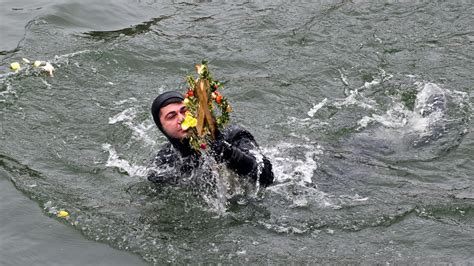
{"x": 171, "y": 117}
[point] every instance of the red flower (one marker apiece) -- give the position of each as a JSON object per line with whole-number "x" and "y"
{"x": 190, "y": 93}
{"x": 219, "y": 99}
{"x": 203, "y": 146}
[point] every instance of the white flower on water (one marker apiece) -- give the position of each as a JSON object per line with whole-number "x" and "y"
{"x": 48, "y": 68}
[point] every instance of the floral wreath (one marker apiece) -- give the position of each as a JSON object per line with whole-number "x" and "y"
{"x": 207, "y": 110}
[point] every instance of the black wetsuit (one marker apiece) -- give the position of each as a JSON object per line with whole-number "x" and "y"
{"x": 235, "y": 147}
{"x": 238, "y": 151}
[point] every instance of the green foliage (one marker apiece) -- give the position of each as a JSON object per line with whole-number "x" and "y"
{"x": 218, "y": 105}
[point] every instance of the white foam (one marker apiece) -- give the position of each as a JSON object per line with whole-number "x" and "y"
{"x": 126, "y": 115}
{"x": 355, "y": 98}
{"x": 115, "y": 161}
{"x": 343, "y": 77}
{"x": 131, "y": 99}
{"x": 362, "y": 199}
{"x": 376, "y": 81}
{"x": 317, "y": 107}
{"x": 395, "y": 117}
{"x": 373, "y": 83}
{"x": 140, "y": 130}
{"x": 428, "y": 111}
{"x": 296, "y": 169}
{"x": 46, "y": 83}
{"x": 64, "y": 57}
{"x": 8, "y": 91}
{"x": 430, "y": 99}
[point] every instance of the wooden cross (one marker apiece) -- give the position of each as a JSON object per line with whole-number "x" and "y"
{"x": 204, "y": 115}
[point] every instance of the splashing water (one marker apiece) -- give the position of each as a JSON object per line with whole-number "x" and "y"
{"x": 359, "y": 155}
{"x": 430, "y": 119}
{"x": 122, "y": 164}
{"x": 140, "y": 130}
{"x": 299, "y": 168}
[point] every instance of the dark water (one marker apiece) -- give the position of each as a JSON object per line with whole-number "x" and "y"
{"x": 363, "y": 108}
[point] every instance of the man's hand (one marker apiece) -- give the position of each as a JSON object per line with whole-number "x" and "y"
{"x": 219, "y": 146}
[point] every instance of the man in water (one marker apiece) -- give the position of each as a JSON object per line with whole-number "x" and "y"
{"x": 235, "y": 147}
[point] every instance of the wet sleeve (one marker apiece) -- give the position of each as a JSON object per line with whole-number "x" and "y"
{"x": 244, "y": 157}
{"x": 238, "y": 158}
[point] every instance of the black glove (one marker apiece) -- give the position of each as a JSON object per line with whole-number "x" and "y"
{"x": 266, "y": 177}
{"x": 238, "y": 160}
{"x": 219, "y": 147}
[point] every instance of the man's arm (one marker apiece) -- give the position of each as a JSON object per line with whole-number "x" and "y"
{"x": 241, "y": 153}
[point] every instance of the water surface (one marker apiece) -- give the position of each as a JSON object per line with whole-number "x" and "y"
{"x": 363, "y": 108}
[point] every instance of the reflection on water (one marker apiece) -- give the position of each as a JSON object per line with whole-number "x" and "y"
{"x": 363, "y": 108}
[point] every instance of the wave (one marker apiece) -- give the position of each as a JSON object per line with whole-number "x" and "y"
{"x": 137, "y": 29}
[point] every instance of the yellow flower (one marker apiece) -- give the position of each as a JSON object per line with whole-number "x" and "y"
{"x": 189, "y": 121}
{"x": 37, "y": 63}
{"x": 15, "y": 66}
{"x": 63, "y": 214}
{"x": 186, "y": 101}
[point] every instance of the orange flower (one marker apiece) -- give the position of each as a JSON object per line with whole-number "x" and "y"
{"x": 219, "y": 99}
